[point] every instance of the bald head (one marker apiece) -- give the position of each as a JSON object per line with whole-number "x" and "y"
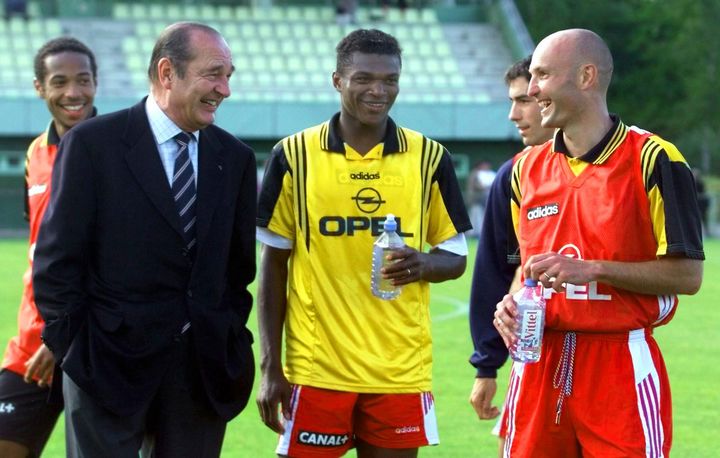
{"x": 570, "y": 74}
{"x": 582, "y": 47}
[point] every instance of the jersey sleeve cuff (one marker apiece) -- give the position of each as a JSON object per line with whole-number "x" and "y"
{"x": 272, "y": 239}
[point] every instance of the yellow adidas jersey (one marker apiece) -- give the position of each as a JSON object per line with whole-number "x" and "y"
{"x": 331, "y": 202}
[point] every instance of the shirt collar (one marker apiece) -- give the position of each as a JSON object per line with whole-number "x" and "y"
{"x": 599, "y": 153}
{"x": 52, "y": 136}
{"x": 330, "y": 139}
{"x": 162, "y": 127}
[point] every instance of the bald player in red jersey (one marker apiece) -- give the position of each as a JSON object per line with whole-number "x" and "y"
{"x": 607, "y": 220}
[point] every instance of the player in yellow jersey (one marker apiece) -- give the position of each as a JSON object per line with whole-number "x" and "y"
{"x": 357, "y": 368}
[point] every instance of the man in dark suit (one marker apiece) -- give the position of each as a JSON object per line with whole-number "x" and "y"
{"x": 143, "y": 262}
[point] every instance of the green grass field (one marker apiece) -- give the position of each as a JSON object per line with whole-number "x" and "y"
{"x": 688, "y": 343}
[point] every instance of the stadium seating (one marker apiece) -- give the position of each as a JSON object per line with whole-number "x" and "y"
{"x": 19, "y": 39}
{"x": 281, "y": 53}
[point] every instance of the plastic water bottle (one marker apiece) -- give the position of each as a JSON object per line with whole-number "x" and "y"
{"x": 531, "y": 317}
{"x": 388, "y": 241}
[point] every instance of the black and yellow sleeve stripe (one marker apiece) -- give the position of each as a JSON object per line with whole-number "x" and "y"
{"x": 516, "y": 192}
{"x": 670, "y": 188}
{"x": 431, "y": 154}
{"x": 296, "y": 154}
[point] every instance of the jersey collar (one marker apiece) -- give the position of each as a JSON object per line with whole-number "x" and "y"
{"x": 599, "y": 153}
{"x": 52, "y": 136}
{"x": 330, "y": 139}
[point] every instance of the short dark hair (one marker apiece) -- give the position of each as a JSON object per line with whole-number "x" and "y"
{"x": 520, "y": 69}
{"x": 366, "y": 41}
{"x": 57, "y": 46}
{"x": 174, "y": 43}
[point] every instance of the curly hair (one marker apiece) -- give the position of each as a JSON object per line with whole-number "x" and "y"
{"x": 57, "y": 46}
{"x": 366, "y": 41}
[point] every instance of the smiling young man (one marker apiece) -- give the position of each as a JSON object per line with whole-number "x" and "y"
{"x": 143, "y": 262}
{"x": 358, "y": 369}
{"x": 66, "y": 78}
{"x": 624, "y": 242}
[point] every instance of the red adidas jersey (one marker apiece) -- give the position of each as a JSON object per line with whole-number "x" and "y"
{"x": 38, "y": 170}
{"x": 633, "y": 201}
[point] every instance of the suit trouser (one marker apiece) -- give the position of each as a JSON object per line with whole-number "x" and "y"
{"x": 178, "y": 422}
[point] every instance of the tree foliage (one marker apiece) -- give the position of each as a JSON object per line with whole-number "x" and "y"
{"x": 667, "y": 55}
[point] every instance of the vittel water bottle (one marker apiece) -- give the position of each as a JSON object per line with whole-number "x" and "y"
{"x": 531, "y": 316}
{"x": 388, "y": 241}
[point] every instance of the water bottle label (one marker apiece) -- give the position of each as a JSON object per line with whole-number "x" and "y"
{"x": 531, "y": 331}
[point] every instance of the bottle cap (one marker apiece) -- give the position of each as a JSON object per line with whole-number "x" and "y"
{"x": 390, "y": 224}
{"x": 530, "y": 282}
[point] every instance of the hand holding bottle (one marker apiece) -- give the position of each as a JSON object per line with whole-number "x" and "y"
{"x": 520, "y": 321}
{"x": 531, "y": 322}
{"x": 388, "y": 242}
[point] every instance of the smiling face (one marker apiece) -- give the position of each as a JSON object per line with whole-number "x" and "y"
{"x": 368, "y": 87}
{"x": 555, "y": 82}
{"x": 191, "y": 101}
{"x": 68, "y": 89}
{"x": 525, "y": 113}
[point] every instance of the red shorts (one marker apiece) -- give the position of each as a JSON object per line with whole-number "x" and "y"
{"x": 618, "y": 403}
{"x": 326, "y": 422}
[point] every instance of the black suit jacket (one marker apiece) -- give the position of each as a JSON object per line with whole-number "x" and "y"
{"x": 113, "y": 280}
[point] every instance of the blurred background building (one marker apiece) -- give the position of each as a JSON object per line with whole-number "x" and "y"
{"x": 455, "y": 53}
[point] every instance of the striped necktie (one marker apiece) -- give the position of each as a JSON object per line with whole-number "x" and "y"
{"x": 183, "y": 189}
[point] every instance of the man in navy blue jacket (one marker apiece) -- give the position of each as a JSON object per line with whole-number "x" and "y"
{"x": 496, "y": 261}
{"x": 143, "y": 262}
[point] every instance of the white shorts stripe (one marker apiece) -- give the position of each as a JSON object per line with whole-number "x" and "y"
{"x": 284, "y": 442}
{"x": 647, "y": 388}
{"x": 511, "y": 405}
{"x": 498, "y": 424}
{"x": 429, "y": 418}
{"x": 649, "y": 405}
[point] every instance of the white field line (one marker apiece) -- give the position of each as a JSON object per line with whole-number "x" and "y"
{"x": 460, "y": 307}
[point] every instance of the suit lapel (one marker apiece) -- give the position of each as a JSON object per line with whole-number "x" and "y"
{"x": 210, "y": 179}
{"x": 143, "y": 159}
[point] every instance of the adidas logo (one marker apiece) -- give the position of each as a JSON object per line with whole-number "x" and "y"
{"x": 543, "y": 211}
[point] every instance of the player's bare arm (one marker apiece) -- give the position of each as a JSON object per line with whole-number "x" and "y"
{"x": 274, "y": 390}
{"x": 436, "y": 266}
{"x": 668, "y": 275}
